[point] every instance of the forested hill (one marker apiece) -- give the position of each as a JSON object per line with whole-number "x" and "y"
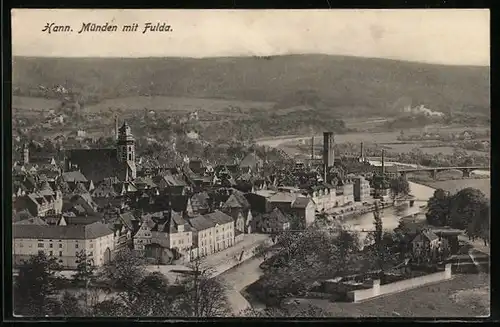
{"x": 315, "y": 80}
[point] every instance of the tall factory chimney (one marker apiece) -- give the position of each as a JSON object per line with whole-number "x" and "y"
{"x": 362, "y": 157}
{"x": 383, "y": 163}
{"x": 312, "y": 149}
{"x": 116, "y": 127}
{"x": 328, "y": 152}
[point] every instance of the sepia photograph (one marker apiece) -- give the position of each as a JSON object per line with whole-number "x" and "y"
{"x": 205, "y": 164}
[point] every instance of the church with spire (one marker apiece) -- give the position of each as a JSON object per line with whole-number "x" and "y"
{"x": 98, "y": 164}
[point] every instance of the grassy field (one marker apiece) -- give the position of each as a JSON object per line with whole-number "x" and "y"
{"x": 463, "y": 296}
{"x": 454, "y": 186}
{"x": 163, "y": 103}
{"x": 31, "y": 103}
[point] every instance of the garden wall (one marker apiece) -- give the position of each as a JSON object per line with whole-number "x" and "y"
{"x": 377, "y": 289}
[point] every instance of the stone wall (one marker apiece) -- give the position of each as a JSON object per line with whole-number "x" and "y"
{"x": 378, "y": 290}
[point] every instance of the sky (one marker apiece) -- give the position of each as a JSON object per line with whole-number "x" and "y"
{"x": 441, "y": 36}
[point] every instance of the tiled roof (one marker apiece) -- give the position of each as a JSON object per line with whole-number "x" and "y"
{"x": 73, "y": 176}
{"x": 232, "y": 202}
{"x": 283, "y": 197}
{"x": 200, "y": 223}
{"x": 250, "y": 160}
{"x": 82, "y": 220}
{"x": 21, "y": 215}
{"x": 74, "y": 232}
{"x": 127, "y": 218}
{"x": 96, "y": 164}
{"x": 301, "y": 202}
{"x": 80, "y": 188}
{"x": 31, "y": 221}
{"x": 218, "y": 217}
{"x": 429, "y": 235}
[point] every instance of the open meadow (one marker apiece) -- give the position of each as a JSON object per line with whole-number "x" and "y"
{"x": 30, "y": 104}
{"x": 462, "y": 296}
{"x": 453, "y": 186}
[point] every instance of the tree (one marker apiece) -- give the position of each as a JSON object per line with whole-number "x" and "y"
{"x": 438, "y": 208}
{"x": 288, "y": 311}
{"x": 399, "y": 187}
{"x": 378, "y": 235}
{"x": 261, "y": 251}
{"x": 465, "y": 206}
{"x": 70, "y": 307}
{"x": 202, "y": 295}
{"x": 36, "y": 285}
{"x": 348, "y": 244}
{"x": 84, "y": 269}
{"x": 136, "y": 292}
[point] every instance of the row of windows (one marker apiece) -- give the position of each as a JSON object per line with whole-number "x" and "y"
{"x": 41, "y": 245}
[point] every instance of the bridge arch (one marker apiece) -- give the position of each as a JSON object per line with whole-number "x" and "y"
{"x": 452, "y": 172}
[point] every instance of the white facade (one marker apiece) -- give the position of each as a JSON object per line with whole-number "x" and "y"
{"x": 65, "y": 250}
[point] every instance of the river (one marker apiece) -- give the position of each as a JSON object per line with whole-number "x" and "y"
{"x": 248, "y": 272}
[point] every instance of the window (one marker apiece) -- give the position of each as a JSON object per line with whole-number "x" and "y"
{"x": 91, "y": 253}
{"x": 51, "y": 253}
{"x": 76, "y": 246}
{"x": 60, "y": 253}
{"x": 60, "y": 246}
{"x": 51, "y": 245}
{"x": 40, "y": 245}
{"x": 130, "y": 156}
{"x": 21, "y": 245}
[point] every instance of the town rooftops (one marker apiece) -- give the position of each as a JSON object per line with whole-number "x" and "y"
{"x": 200, "y": 223}
{"x": 73, "y": 176}
{"x": 31, "y": 221}
{"x": 72, "y": 232}
{"x": 79, "y": 220}
{"x": 218, "y": 217}
{"x": 232, "y": 202}
{"x": 283, "y": 197}
{"x": 301, "y": 202}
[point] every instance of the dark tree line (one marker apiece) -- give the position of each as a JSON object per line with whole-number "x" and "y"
{"x": 122, "y": 287}
{"x": 468, "y": 209}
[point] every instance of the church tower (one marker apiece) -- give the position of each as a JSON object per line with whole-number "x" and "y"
{"x": 25, "y": 154}
{"x": 126, "y": 151}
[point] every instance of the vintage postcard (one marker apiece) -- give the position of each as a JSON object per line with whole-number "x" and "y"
{"x": 251, "y": 163}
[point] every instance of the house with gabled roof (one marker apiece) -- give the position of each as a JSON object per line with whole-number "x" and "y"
{"x": 40, "y": 203}
{"x": 304, "y": 209}
{"x": 251, "y": 161}
{"x": 63, "y": 242}
{"x": 174, "y": 232}
{"x": 224, "y": 229}
{"x": 203, "y": 235}
{"x": 271, "y": 222}
{"x": 200, "y": 203}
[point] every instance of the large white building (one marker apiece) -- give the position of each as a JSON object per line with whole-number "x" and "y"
{"x": 63, "y": 242}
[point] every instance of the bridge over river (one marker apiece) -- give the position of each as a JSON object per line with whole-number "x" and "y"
{"x": 466, "y": 170}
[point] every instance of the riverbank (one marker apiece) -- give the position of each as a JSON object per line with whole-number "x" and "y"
{"x": 455, "y": 185}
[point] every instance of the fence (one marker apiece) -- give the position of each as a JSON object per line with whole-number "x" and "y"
{"x": 378, "y": 290}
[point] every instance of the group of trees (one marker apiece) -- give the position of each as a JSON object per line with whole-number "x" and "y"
{"x": 299, "y": 258}
{"x": 468, "y": 209}
{"x": 122, "y": 287}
